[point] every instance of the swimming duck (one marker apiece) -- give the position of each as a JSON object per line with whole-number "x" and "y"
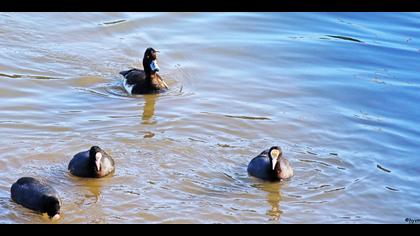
{"x": 270, "y": 165}
{"x": 36, "y": 195}
{"x": 145, "y": 81}
{"x": 93, "y": 163}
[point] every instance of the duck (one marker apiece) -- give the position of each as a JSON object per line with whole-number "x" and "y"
{"x": 93, "y": 163}
{"x": 36, "y": 195}
{"x": 146, "y": 81}
{"x": 270, "y": 165}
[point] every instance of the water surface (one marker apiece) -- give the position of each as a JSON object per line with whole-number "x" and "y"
{"x": 339, "y": 92}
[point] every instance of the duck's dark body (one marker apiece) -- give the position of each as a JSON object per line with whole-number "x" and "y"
{"x": 141, "y": 83}
{"x": 35, "y": 195}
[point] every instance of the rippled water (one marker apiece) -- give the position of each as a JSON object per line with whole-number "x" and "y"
{"x": 339, "y": 92}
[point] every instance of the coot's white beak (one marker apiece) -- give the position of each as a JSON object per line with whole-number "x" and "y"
{"x": 56, "y": 217}
{"x": 274, "y": 162}
{"x": 98, "y": 160}
{"x": 154, "y": 66}
{"x": 274, "y": 154}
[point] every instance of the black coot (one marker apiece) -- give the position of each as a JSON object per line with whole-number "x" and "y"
{"x": 36, "y": 195}
{"x": 270, "y": 165}
{"x": 94, "y": 163}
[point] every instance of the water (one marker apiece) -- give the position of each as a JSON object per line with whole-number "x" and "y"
{"x": 338, "y": 92}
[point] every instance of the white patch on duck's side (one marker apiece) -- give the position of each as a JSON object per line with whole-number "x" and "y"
{"x": 128, "y": 87}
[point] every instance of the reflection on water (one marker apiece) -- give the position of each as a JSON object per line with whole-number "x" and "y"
{"x": 149, "y": 109}
{"x": 338, "y": 92}
{"x": 95, "y": 188}
{"x": 273, "y": 195}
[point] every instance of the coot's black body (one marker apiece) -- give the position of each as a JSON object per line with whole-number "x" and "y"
{"x": 35, "y": 195}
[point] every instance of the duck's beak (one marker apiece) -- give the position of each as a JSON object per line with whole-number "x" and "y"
{"x": 154, "y": 66}
{"x": 274, "y": 162}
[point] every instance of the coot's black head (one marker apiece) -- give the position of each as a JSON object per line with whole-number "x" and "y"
{"x": 275, "y": 154}
{"x": 150, "y": 61}
{"x": 95, "y": 157}
{"x": 52, "y": 207}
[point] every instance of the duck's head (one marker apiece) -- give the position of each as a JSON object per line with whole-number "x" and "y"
{"x": 150, "y": 61}
{"x": 275, "y": 154}
{"x": 95, "y": 157}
